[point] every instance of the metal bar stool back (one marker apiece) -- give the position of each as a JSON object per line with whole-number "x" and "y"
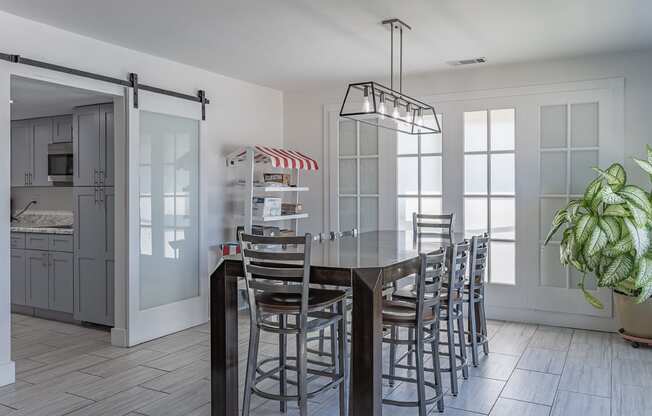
{"x": 475, "y": 296}
{"x": 277, "y": 276}
{"x": 420, "y": 315}
{"x": 438, "y": 226}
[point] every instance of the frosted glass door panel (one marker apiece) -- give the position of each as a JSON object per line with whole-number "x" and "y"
{"x": 553, "y": 126}
{"x": 406, "y": 206}
{"x": 553, "y": 173}
{"x": 369, "y": 176}
{"x": 475, "y": 174}
{"x": 503, "y": 175}
{"x": 584, "y": 125}
{"x": 169, "y": 209}
{"x": 369, "y": 214}
{"x": 503, "y": 218}
{"x": 549, "y": 207}
{"x": 408, "y": 175}
{"x": 582, "y": 173}
{"x": 348, "y": 213}
{"x": 475, "y": 131}
{"x": 431, "y": 180}
{"x": 347, "y": 138}
{"x": 502, "y": 129}
{"x": 348, "y": 176}
{"x": 553, "y": 273}
{"x": 368, "y": 140}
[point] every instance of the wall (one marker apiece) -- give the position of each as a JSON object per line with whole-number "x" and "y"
{"x": 47, "y": 199}
{"x": 241, "y": 113}
{"x": 303, "y": 110}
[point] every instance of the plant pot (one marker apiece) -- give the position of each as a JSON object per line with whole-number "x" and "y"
{"x": 634, "y": 318}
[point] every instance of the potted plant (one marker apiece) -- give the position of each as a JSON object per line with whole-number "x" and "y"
{"x": 606, "y": 236}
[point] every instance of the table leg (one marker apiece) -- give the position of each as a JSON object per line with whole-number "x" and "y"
{"x": 366, "y": 357}
{"x": 224, "y": 340}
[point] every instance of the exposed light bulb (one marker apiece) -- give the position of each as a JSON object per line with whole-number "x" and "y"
{"x": 381, "y": 106}
{"x": 395, "y": 113}
{"x": 366, "y": 105}
{"x": 11, "y": 101}
{"x": 419, "y": 120}
{"x": 408, "y": 113}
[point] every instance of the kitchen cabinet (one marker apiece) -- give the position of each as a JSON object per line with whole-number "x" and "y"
{"x": 29, "y": 152}
{"x": 37, "y": 278}
{"x": 93, "y": 211}
{"x": 61, "y": 281}
{"x": 93, "y": 145}
{"x": 62, "y": 129}
{"x": 18, "y": 267}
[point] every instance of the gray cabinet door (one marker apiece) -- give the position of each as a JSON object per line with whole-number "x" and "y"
{"x": 62, "y": 129}
{"x": 61, "y": 282}
{"x": 86, "y": 145}
{"x": 108, "y": 202}
{"x": 21, "y": 138}
{"x": 106, "y": 144}
{"x": 42, "y": 136}
{"x": 93, "y": 276}
{"x": 37, "y": 279}
{"x": 18, "y": 282}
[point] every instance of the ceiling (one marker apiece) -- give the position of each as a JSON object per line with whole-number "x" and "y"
{"x": 32, "y": 98}
{"x": 297, "y": 44}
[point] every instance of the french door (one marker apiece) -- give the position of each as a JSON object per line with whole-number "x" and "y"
{"x": 167, "y": 253}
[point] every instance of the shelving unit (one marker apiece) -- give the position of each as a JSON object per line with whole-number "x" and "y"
{"x": 249, "y": 158}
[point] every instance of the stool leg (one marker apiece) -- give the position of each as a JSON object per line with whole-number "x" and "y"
{"x": 436, "y": 365}
{"x": 392, "y": 356}
{"x": 302, "y": 372}
{"x": 342, "y": 356}
{"x": 462, "y": 341}
{"x": 333, "y": 330}
{"x": 252, "y": 363}
{"x": 452, "y": 361}
{"x": 421, "y": 387}
{"x": 473, "y": 331}
{"x": 410, "y": 346}
{"x": 282, "y": 345}
{"x": 483, "y": 325}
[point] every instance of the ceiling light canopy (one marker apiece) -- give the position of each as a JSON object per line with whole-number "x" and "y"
{"x": 372, "y": 103}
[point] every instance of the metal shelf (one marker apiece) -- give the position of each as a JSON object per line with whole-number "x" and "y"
{"x": 281, "y": 217}
{"x": 281, "y": 189}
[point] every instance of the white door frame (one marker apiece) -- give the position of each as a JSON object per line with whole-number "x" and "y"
{"x": 145, "y": 325}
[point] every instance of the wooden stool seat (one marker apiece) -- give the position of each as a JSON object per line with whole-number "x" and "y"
{"x": 398, "y": 313}
{"x": 318, "y": 299}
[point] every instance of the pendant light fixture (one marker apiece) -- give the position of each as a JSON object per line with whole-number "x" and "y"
{"x": 375, "y": 104}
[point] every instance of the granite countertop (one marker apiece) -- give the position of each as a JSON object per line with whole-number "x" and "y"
{"x": 44, "y": 222}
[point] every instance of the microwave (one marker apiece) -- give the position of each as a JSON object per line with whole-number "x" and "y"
{"x": 60, "y": 162}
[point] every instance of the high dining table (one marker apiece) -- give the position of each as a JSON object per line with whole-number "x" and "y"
{"x": 366, "y": 262}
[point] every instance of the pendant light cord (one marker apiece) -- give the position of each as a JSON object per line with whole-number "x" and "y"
{"x": 400, "y": 74}
{"x": 391, "y": 56}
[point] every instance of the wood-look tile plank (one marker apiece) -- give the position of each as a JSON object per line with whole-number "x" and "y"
{"x": 107, "y": 387}
{"x": 31, "y": 395}
{"x": 580, "y": 378}
{"x": 512, "y": 338}
{"x": 552, "y": 338}
{"x": 60, "y": 354}
{"x": 569, "y": 403}
{"x": 117, "y": 365}
{"x": 55, "y": 370}
{"x": 595, "y": 355}
{"x": 177, "y": 342}
{"x": 4, "y": 410}
{"x": 630, "y": 400}
{"x": 181, "y": 358}
{"x": 177, "y": 379}
{"x": 509, "y": 407}
{"x": 29, "y": 350}
{"x": 495, "y": 365}
{"x": 542, "y": 360}
{"x": 121, "y": 403}
{"x": 62, "y": 404}
{"x": 632, "y": 372}
{"x": 477, "y": 395}
{"x": 182, "y": 402}
{"x": 24, "y": 365}
{"x": 531, "y": 386}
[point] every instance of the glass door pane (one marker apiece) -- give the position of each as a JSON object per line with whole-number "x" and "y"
{"x": 169, "y": 209}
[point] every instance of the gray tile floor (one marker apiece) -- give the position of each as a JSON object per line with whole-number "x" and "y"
{"x": 65, "y": 369}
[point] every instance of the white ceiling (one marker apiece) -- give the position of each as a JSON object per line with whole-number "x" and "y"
{"x": 294, "y": 44}
{"x": 32, "y": 98}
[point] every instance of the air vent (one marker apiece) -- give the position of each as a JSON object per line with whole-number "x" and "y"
{"x": 471, "y": 61}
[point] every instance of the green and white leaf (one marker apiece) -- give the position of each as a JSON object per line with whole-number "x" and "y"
{"x": 618, "y": 270}
{"x": 584, "y": 227}
{"x": 645, "y": 165}
{"x": 615, "y": 176}
{"x": 649, "y": 152}
{"x": 622, "y": 246}
{"x": 637, "y": 196}
{"x": 615, "y": 211}
{"x": 638, "y": 215}
{"x": 646, "y": 293}
{"x": 592, "y": 300}
{"x": 558, "y": 220}
{"x": 609, "y": 197}
{"x": 572, "y": 209}
{"x": 644, "y": 274}
{"x": 611, "y": 227}
{"x": 592, "y": 192}
{"x": 596, "y": 242}
{"x": 640, "y": 237}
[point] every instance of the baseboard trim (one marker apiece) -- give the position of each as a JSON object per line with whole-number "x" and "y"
{"x": 567, "y": 320}
{"x": 7, "y": 373}
{"x": 119, "y": 337}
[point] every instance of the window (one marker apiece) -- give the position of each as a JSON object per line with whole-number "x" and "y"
{"x": 419, "y": 176}
{"x": 569, "y": 148}
{"x": 490, "y": 187}
{"x": 358, "y": 176}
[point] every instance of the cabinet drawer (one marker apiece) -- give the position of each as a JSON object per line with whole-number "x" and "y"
{"x": 60, "y": 242}
{"x": 17, "y": 240}
{"x": 37, "y": 241}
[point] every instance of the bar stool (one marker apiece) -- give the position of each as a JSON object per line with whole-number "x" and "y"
{"x": 421, "y": 316}
{"x": 452, "y": 311}
{"x": 475, "y": 296}
{"x": 277, "y": 285}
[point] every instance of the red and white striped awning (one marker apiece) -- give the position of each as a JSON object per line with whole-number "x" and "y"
{"x": 279, "y": 158}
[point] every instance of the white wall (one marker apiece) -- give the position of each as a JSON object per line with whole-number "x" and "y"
{"x": 303, "y": 110}
{"x": 240, "y": 113}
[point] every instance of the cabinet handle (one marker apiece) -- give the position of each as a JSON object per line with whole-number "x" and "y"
{"x": 25, "y": 178}
{"x": 95, "y": 177}
{"x": 101, "y": 177}
{"x": 30, "y": 178}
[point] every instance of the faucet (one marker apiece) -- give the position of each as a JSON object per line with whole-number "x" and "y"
{"x": 22, "y": 211}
